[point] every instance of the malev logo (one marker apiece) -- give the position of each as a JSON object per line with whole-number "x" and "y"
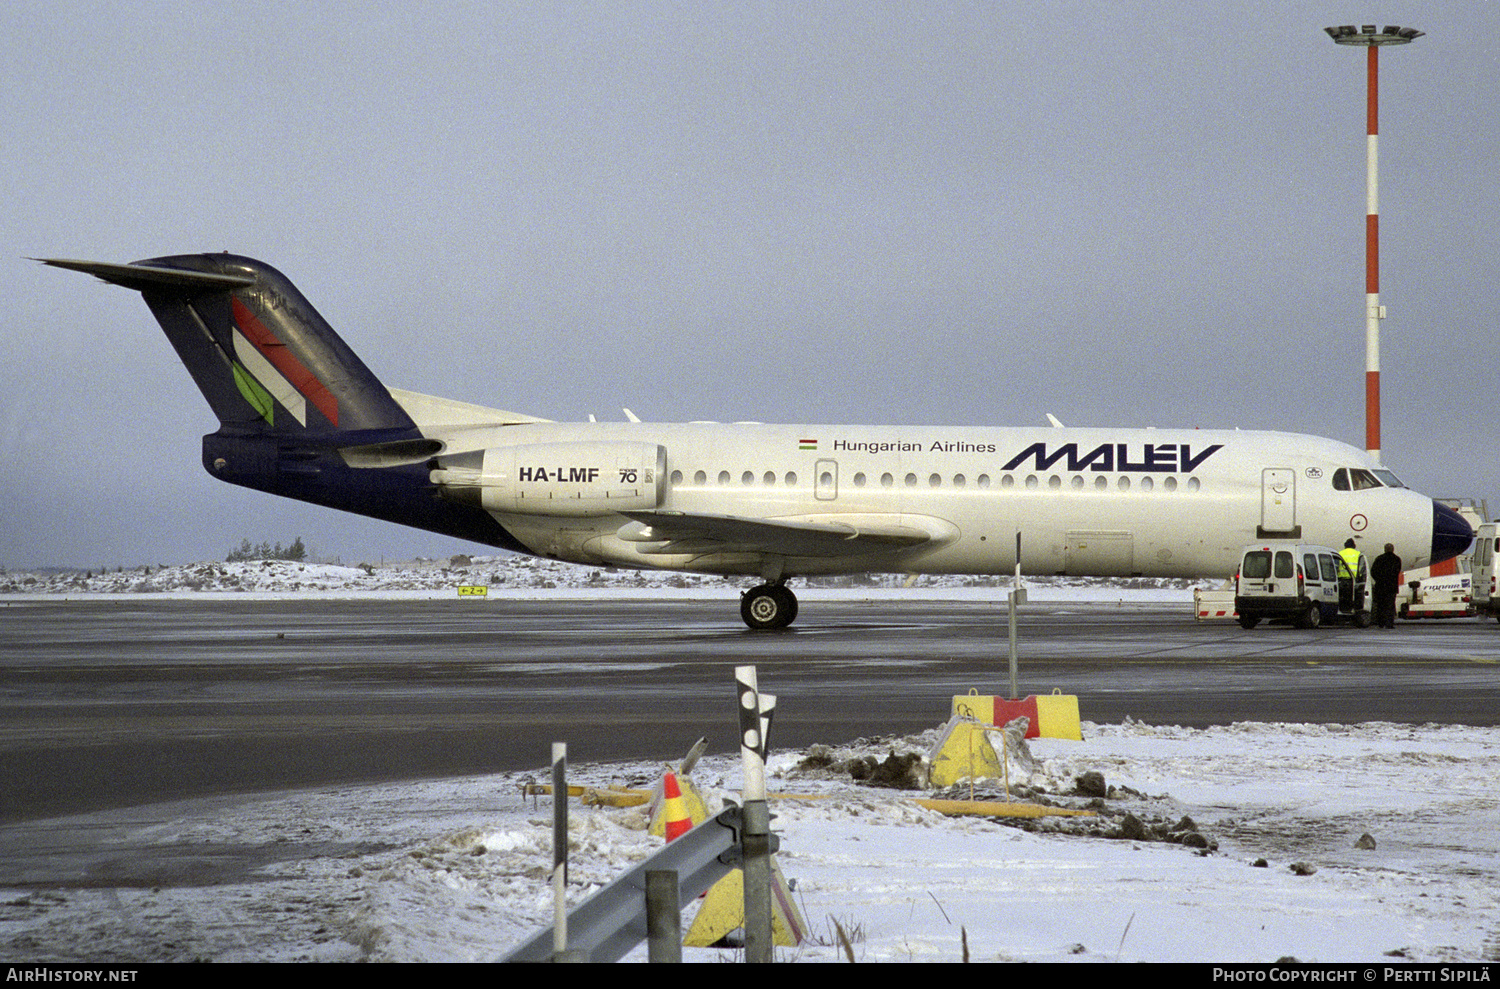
{"x": 1157, "y": 458}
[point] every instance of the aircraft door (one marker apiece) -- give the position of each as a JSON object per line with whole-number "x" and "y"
{"x": 1278, "y": 504}
{"x": 826, "y": 480}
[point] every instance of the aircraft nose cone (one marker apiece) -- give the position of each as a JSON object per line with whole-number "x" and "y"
{"x": 1451, "y": 534}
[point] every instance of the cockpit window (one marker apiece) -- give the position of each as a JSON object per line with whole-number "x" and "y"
{"x": 1359, "y": 479}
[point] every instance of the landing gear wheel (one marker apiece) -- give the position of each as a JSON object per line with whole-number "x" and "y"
{"x": 790, "y": 601}
{"x": 768, "y": 606}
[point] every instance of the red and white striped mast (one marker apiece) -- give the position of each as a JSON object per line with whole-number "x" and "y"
{"x": 1373, "y": 41}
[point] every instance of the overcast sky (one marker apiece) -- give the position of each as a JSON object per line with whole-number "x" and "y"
{"x": 1124, "y": 214}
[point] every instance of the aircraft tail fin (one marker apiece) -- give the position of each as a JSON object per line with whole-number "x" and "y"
{"x": 263, "y": 357}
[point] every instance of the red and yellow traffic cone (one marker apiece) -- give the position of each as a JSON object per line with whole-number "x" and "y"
{"x": 678, "y": 821}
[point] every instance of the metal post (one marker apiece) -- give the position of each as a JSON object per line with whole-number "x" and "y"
{"x": 754, "y": 713}
{"x": 560, "y": 853}
{"x": 1017, "y": 597}
{"x": 663, "y": 917}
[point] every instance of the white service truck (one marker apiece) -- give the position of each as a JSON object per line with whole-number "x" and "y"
{"x": 1448, "y": 593}
{"x": 1449, "y": 596}
{"x": 1482, "y": 570}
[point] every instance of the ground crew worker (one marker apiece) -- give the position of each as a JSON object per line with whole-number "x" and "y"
{"x": 1386, "y": 573}
{"x": 1348, "y": 571}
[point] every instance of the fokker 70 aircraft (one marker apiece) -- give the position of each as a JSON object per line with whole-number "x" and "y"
{"x": 300, "y": 415}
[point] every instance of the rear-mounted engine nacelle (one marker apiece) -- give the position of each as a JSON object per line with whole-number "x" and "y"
{"x": 574, "y": 479}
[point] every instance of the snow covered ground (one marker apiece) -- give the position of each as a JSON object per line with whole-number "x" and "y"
{"x": 455, "y": 870}
{"x": 506, "y": 575}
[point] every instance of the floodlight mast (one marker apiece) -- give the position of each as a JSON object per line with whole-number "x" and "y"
{"x": 1372, "y": 40}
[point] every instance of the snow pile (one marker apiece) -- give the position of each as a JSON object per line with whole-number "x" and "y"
{"x": 506, "y": 574}
{"x": 456, "y": 870}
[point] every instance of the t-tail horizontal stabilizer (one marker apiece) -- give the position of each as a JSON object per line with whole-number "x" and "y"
{"x": 145, "y": 277}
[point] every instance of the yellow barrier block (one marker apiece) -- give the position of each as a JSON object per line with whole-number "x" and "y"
{"x": 1058, "y": 714}
{"x": 1053, "y": 715}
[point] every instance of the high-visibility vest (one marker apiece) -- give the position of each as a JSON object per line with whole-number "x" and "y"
{"x": 1349, "y": 557}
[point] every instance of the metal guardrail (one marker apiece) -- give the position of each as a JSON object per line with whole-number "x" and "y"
{"x": 612, "y": 921}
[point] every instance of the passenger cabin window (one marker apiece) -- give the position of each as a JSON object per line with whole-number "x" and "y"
{"x": 1310, "y": 565}
{"x": 1284, "y": 565}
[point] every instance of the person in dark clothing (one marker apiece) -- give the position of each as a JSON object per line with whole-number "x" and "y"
{"x": 1386, "y": 573}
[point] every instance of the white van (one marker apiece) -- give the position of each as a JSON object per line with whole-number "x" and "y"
{"x": 1484, "y": 569}
{"x": 1298, "y": 582}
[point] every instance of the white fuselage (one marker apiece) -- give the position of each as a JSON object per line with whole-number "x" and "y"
{"x": 1107, "y": 502}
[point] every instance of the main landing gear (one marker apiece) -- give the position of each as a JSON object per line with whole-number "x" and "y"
{"x": 768, "y": 606}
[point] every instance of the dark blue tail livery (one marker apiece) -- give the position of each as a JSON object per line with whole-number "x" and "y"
{"x": 290, "y": 395}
